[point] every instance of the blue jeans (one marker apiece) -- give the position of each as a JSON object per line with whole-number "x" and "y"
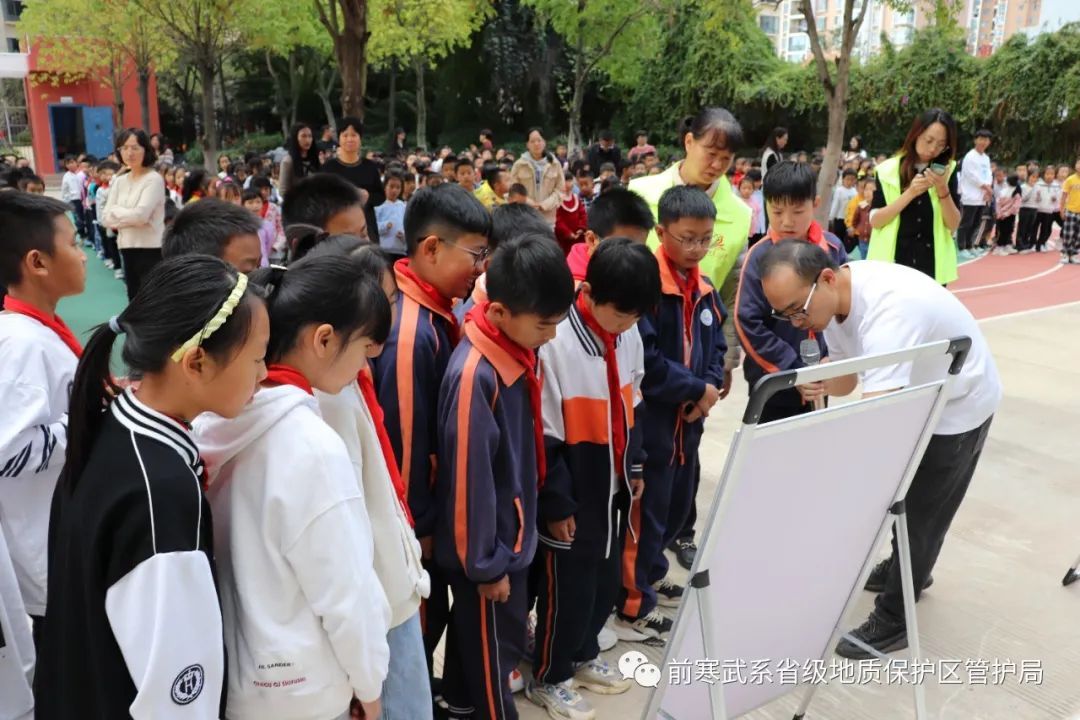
{"x": 406, "y": 692}
{"x": 864, "y": 247}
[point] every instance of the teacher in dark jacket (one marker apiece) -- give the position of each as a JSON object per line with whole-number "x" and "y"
{"x": 605, "y": 151}
{"x": 361, "y": 172}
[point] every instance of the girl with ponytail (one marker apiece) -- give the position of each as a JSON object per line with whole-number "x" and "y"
{"x": 134, "y": 626}
{"x": 306, "y": 617}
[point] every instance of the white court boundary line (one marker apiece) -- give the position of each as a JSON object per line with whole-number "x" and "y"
{"x": 1006, "y": 283}
{"x": 1032, "y": 311}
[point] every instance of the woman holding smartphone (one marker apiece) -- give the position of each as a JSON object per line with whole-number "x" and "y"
{"x": 916, "y": 206}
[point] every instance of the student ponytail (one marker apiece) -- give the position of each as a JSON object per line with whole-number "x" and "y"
{"x": 178, "y": 299}
{"x": 331, "y": 289}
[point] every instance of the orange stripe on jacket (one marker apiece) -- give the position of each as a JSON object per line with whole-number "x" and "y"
{"x": 632, "y": 605}
{"x": 489, "y": 690}
{"x": 461, "y": 468}
{"x": 545, "y": 660}
{"x": 628, "y": 404}
{"x": 406, "y": 344}
{"x": 585, "y": 420}
{"x": 764, "y": 364}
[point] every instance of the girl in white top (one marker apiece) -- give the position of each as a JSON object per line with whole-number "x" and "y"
{"x": 305, "y": 615}
{"x": 1047, "y": 199}
{"x": 136, "y": 208}
{"x": 356, "y": 415}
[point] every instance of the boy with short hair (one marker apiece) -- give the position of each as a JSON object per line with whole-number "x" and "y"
{"x": 592, "y": 385}
{"x": 71, "y": 191}
{"x": 446, "y": 236}
{"x": 517, "y": 194}
{"x": 218, "y": 228}
{"x": 585, "y": 187}
{"x": 328, "y": 202}
{"x": 32, "y": 184}
{"x": 1070, "y": 215}
{"x": 254, "y": 203}
{"x": 106, "y": 171}
{"x": 492, "y": 193}
{"x": 617, "y": 213}
{"x": 773, "y": 344}
{"x": 465, "y": 174}
{"x": 40, "y": 263}
{"x": 842, "y": 197}
{"x": 684, "y": 371}
{"x": 492, "y": 462}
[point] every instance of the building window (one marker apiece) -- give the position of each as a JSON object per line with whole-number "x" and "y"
{"x": 821, "y": 24}
{"x": 13, "y": 45}
{"x": 12, "y": 9}
{"x": 822, "y": 6}
{"x": 769, "y": 24}
{"x": 14, "y": 125}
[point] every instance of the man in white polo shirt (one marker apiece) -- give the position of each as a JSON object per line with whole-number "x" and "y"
{"x": 866, "y": 308}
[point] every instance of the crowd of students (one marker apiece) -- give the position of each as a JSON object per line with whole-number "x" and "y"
{"x": 396, "y": 409}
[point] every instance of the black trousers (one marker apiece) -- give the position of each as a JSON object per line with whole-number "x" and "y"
{"x": 838, "y": 227}
{"x": 108, "y": 246}
{"x": 138, "y": 262}
{"x": 940, "y": 483}
{"x": 576, "y": 594}
{"x": 79, "y": 212}
{"x": 484, "y": 642}
{"x": 1025, "y": 233}
{"x": 969, "y": 225}
{"x": 1005, "y": 230}
{"x": 1044, "y": 226}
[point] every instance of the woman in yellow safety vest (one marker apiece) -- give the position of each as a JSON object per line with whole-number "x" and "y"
{"x": 916, "y": 205}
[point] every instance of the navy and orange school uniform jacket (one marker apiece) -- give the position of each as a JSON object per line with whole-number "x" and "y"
{"x": 487, "y": 481}
{"x": 487, "y": 484}
{"x": 408, "y": 374}
{"x": 678, "y": 365}
{"x": 772, "y": 345}
{"x": 582, "y": 479}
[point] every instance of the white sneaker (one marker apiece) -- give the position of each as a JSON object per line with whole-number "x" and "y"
{"x": 119, "y": 274}
{"x": 668, "y": 594}
{"x": 517, "y": 681}
{"x": 560, "y": 701}
{"x": 653, "y": 625}
{"x": 108, "y": 263}
{"x": 607, "y": 639}
{"x": 599, "y": 677}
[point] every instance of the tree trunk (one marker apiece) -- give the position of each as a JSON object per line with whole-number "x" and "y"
{"x": 279, "y": 95}
{"x": 144, "y": 96}
{"x": 421, "y": 105}
{"x": 833, "y": 149}
{"x": 294, "y": 87}
{"x": 207, "y": 73}
{"x": 351, "y": 50}
{"x": 392, "y": 119}
{"x": 580, "y": 76}
{"x": 226, "y": 120}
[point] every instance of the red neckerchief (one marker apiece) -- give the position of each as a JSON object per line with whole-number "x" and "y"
{"x": 265, "y": 209}
{"x": 371, "y": 399}
{"x": 288, "y": 375}
{"x": 432, "y": 298}
{"x": 687, "y": 287}
{"x": 815, "y": 235}
{"x": 527, "y": 360}
{"x": 618, "y": 412}
{"x": 54, "y": 323}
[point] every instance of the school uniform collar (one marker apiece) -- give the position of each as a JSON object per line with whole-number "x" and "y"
{"x": 815, "y": 235}
{"x": 507, "y": 367}
{"x": 144, "y": 420}
{"x": 588, "y": 339}
{"x": 668, "y": 284}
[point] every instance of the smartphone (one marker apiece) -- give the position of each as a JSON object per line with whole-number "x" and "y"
{"x": 937, "y": 168}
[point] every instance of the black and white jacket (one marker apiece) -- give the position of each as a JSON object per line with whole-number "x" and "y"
{"x": 133, "y": 627}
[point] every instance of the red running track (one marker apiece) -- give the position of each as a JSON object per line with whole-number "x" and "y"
{"x": 992, "y": 286}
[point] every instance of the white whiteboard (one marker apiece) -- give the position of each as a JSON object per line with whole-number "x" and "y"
{"x": 799, "y": 521}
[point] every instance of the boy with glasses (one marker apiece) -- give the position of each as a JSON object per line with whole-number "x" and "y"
{"x": 772, "y": 340}
{"x": 684, "y": 351}
{"x": 446, "y": 236}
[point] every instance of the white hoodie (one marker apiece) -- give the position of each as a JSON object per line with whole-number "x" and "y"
{"x": 305, "y": 616}
{"x": 397, "y": 551}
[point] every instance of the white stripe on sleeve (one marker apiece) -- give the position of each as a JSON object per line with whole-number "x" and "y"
{"x": 167, "y": 621}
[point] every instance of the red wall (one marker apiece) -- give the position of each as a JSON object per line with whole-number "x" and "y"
{"x": 40, "y": 94}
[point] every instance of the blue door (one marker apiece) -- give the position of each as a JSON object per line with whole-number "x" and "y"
{"x": 98, "y": 128}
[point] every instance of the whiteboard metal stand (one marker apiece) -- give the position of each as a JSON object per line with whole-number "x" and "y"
{"x": 765, "y": 388}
